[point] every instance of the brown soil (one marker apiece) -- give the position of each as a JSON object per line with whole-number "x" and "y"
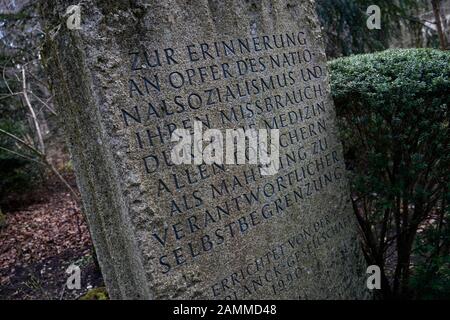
{"x": 42, "y": 237}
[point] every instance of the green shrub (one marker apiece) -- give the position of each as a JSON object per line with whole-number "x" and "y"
{"x": 392, "y": 108}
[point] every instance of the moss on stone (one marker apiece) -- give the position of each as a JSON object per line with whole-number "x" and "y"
{"x": 99, "y": 293}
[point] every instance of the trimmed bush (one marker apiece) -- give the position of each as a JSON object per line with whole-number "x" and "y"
{"x": 393, "y": 112}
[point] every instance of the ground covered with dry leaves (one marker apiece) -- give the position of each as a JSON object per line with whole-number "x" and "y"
{"x": 44, "y": 234}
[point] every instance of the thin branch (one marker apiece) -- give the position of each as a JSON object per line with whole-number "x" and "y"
{"x": 4, "y": 76}
{"x": 61, "y": 178}
{"x": 33, "y": 114}
{"x": 5, "y": 96}
{"x": 36, "y": 78}
{"x": 45, "y": 104}
{"x": 22, "y": 142}
{"x": 44, "y": 161}
{"x": 22, "y": 155}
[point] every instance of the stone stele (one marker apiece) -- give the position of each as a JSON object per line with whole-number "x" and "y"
{"x": 130, "y": 74}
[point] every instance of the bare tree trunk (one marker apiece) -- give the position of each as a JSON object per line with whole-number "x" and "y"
{"x": 437, "y": 13}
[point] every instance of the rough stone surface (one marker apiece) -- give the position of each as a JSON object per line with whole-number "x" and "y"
{"x": 163, "y": 231}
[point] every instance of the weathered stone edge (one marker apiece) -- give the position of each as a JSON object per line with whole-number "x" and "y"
{"x": 96, "y": 172}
